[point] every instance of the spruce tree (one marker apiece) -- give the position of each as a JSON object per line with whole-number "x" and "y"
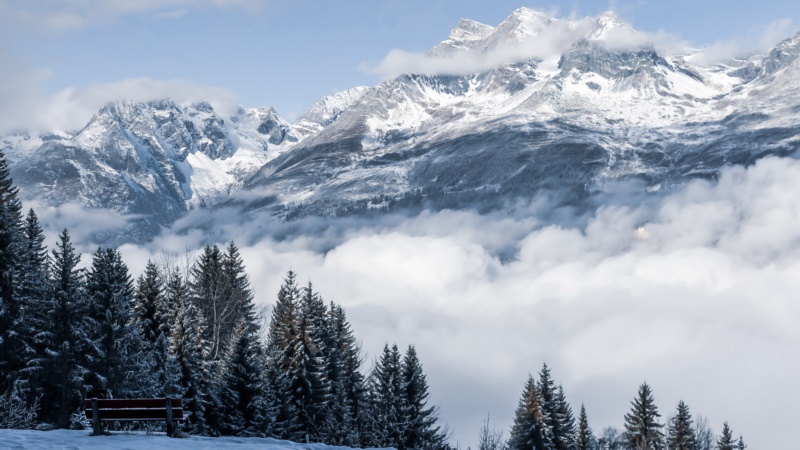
{"x": 190, "y": 348}
{"x": 207, "y": 291}
{"x": 584, "y": 439}
{"x": 420, "y": 430}
{"x": 558, "y": 412}
{"x": 282, "y": 334}
{"x": 308, "y": 370}
{"x": 531, "y": 430}
{"x": 726, "y": 441}
{"x": 12, "y": 351}
{"x": 164, "y": 378}
{"x": 642, "y": 430}
{"x": 246, "y": 410}
{"x": 239, "y": 294}
{"x": 67, "y": 337}
{"x": 348, "y": 391}
{"x": 148, "y": 305}
{"x": 565, "y": 439}
{"x": 113, "y": 358}
{"x": 33, "y": 295}
{"x": 740, "y": 445}
{"x": 387, "y": 399}
{"x": 681, "y": 432}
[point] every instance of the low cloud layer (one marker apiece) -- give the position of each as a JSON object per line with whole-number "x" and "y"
{"x": 693, "y": 291}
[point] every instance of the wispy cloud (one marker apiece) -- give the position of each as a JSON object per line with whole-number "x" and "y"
{"x": 757, "y": 40}
{"x": 72, "y": 15}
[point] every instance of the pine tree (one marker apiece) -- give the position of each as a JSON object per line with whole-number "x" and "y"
{"x": 33, "y": 295}
{"x": 681, "y": 433}
{"x": 348, "y": 391}
{"x": 566, "y": 422}
{"x": 239, "y": 293}
{"x": 530, "y": 430}
{"x": 558, "y": 412}
{"x": 164, "y": 374}
{"x": 113, "y": 355}
{"x": 283, "y": 332}
{"x": 190, "y": 348}
{"x": 387, "y": 399}
{"x": 642, "y": 431}
{"x": 726, "y": 441}
{"x": 63, "y": 365}
{"x": 584, "y": 439}
{"x": 148, "y": 306}
{"x": 308, "y": 370}
{"x": 420, "y": 430}
{"x": 12, "y": 351}
{"x": 246, "y": 409}
{"x": 207, "y": 291}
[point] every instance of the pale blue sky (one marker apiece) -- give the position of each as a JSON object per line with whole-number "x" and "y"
{"x": 288, "y": 53}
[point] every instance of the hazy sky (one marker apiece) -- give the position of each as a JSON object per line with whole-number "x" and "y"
{"x": 288, "y": 53}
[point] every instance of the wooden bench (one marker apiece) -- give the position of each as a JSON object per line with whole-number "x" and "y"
{"x": 134, "y": 410}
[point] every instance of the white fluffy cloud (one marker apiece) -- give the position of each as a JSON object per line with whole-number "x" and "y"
{"x": 25, "y": 106}
{"x": 693, "y": 291}
{"x": 553, "y": 40}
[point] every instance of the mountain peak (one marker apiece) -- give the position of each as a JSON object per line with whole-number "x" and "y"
{"x": 465, "y": 36}
{"x": 521, "y": 25}
{"x": 605, "y": 23}
{"x": 783, "y": 55}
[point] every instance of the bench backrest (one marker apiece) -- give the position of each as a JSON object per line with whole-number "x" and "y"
{"x": 138, "y": 409}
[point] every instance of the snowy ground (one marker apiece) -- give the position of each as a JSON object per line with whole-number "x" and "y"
{"x": 75, "y": 440}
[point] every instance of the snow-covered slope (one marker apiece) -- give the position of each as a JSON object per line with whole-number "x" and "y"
{"x": 326, "y": 111}
{"x": 80, "y": 440}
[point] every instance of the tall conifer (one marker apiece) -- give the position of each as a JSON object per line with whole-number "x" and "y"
{"x": 642, "y": 430}
{"x": 531, "y": 430}
{"x": 113, "y": 357}
{"x": 681, "y": 432}
{"x": 12, "y": 357}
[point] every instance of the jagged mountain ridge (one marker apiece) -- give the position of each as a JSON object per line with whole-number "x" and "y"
{"x": 594, "y": 109}
{"x": 597, "y": 111}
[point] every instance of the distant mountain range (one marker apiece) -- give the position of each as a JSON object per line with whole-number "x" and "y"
{"x": 570, "y": 122}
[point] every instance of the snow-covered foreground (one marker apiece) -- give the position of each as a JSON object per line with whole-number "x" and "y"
{"x": 75, "y": 440}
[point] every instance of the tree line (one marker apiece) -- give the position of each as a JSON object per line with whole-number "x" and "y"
{"x": 544, "y": 420}
{"x": 68, "y": 333}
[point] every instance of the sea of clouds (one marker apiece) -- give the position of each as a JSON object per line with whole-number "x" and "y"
{"x": 693, "y": 290}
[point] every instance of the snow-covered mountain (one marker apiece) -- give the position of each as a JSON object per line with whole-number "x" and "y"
{"x": 606, "y": 106}
{"x": 153, "y": 161}
{"x": 568, "y": 106}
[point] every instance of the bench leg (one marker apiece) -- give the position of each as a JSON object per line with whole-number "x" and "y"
{"x": 170, "y": 423}
{"x": 96, "y": 418}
